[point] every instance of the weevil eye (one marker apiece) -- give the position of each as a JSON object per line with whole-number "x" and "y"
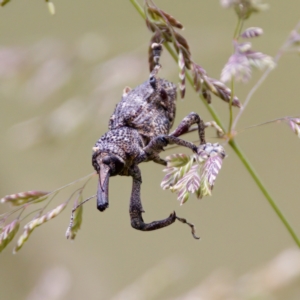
{"x": 163, "y": 94}
{"x": 152, "y": 81}
{"x": 116, "y": 165}
{"x": 106, "y": 160}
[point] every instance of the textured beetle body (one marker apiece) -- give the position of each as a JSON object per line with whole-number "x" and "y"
{"x": 138, "y": 131}
{"x": 149, "y": 108}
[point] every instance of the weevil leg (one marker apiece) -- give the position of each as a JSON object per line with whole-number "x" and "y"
{"x": 184, "y": 126}
{"x": 160, "y": 161}
{"x": 158, "y": 143}
{"x": 136, "y": 208}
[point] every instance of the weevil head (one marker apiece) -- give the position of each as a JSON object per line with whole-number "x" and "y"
{"x": 106, "y": 164}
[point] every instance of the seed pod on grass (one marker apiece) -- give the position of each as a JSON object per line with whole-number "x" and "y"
{"x": 46, "y": 217}
{"x": 252, "y": 32}
{"x": 208, "y": 175}
{"x": 77, "y": 218}
{"x": 188, "y": 184}
{"x": 183, "y": 196}
{"x": 177, "y": 160}
{"x": 24, "y": 197}
{"x": 178, "y": 166}
{"x": 8, "y": 232}
{"x": 223, "y": 92}
{"x": 183, "y": 42}
{"x": 162, "y": 14}
{"x": 181, "y": 64}
{"x": 197, "y": 79}
{"x": 294, "y": 124}
{"x": 293, "y": 41}
{"x": 209, "y": 85}
{"x": 51, "y": 7}
{"x": 22, "y": 239}
{"x": 206, "y": 94}
{"x": 184, "y": 48}
{"x": 150, "y": 26}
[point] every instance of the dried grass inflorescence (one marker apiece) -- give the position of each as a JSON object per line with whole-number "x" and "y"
{"x": 77, "y": 221}
{"x": 31, "y": 199}
{"x": 193, "y": 174}
{"x": 293, "y": 42}
{"x": 24, "y": 197}
{"x": 8, "y": 232}
{"x": 51, "y": 7}
{"x": 245, "y": 8}
{"x": 252, "y": 32}
{"x": 243, "y": 60}
{"x": 76, "y": 216}
{"x": 294, "y": 124}
{"x": 165, "y": 28}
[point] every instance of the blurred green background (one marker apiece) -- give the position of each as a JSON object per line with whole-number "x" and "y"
{"x": 61, "y": 77}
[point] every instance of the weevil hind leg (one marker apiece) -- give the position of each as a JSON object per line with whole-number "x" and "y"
{"x": 136, "y": 208}
{"x": 138, "y": 223}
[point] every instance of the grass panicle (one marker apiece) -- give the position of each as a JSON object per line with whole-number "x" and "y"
{"x": 32, "y": 199}
{"x": 24, "y": 197}
{"x": 242, "y": 61}
{"x": 8, "y": 232}
{"x": 165, "y": 28}
{"x": 194, "y": 174}
{"x": 245, "y": 8}
{"x": 77, "y": 219}
{"x": 294, "y": 124}
{"x": 252, "y": 32}
{"x": 51, "y": 7}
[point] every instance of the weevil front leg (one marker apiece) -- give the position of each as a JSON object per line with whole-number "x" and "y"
{"x": 136, "y": 208}
{"x": 158, "y": 143}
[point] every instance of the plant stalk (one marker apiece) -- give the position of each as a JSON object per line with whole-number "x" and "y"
{"x": 259, "y": 183}
{"x": 230, "y": 107}
{"x": 237, "y": 32}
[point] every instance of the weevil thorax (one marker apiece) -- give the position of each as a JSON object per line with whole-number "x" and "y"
{"x": 117, "y": 149}
{"x": 149, "y": 108}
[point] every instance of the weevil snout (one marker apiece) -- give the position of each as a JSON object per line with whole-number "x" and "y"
{"x": 107, "y": 165}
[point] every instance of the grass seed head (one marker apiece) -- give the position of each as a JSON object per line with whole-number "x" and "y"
{"x": 24, "y": 197}
{"x": 8, "y": 232}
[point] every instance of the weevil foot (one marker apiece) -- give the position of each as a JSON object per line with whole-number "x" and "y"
{"x": 193, "y": 230}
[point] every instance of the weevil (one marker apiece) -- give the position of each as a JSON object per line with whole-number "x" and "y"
{"x": 139, "y": 129}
